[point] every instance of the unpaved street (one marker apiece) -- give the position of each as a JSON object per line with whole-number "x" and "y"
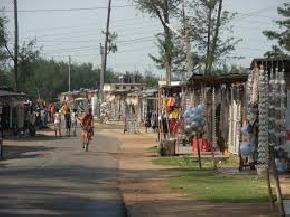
{"x": 48, "y": 176}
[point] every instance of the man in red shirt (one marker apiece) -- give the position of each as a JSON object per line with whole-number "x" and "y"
{"x": 87, "y": 124}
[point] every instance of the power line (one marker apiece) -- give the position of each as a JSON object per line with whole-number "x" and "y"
{"x": 115, "y": 24}
{"x": 70, "y": 9}
{"x": 255, "y": 13}
{"x": 85, "y": 41}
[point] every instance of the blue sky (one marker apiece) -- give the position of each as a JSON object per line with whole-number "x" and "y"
{"x": 78, "y": 33}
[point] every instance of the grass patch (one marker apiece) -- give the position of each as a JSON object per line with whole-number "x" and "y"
{"x": 192, "y": 162}
{"x": 210, "y": 186}
{"x": 183, "y": 162}
{"x": 153, "y": 149}
{"x": 232, "y": 160}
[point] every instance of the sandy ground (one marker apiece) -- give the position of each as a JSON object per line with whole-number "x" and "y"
{"x": 146, "y": 192}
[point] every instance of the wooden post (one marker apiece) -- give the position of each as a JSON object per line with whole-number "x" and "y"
{"x": 279, "y": 202}
{"x": 198, "y": 151}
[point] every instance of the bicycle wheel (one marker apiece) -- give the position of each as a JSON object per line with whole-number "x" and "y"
{"x": 87, "y": 147}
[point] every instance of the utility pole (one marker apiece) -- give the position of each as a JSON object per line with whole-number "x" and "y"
{"x": 15, "y": 47}
{"x": 104, "y": 63}
{"x": 102, "y": 74}
{"x": 69, "y": 68}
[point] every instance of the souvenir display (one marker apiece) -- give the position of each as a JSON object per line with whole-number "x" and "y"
{"x": 267, "y": 110}
{"x": 214, "y": 121}
{"x": 263, "y": 149}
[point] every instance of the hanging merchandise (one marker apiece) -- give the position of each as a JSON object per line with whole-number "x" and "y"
{"x": 280, "y": 121}
{"x": 194, "y": 119}
{"x": 271, "y": 112}
{"x": 213, "y": 127}
{"x": 170, "y": 102}
{"x": 175, "y": 113}
{"x": 263, "y": 149}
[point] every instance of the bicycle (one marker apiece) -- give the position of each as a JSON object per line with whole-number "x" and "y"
{"x": 86, "y": 137}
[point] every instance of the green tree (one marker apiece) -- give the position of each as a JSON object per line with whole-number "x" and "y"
{"x": 282, "y": 37}
{"x": 5, "y": 72}
{"x": 163, "y": 10}
{"x": 151, "y": 81}
{"x": 27, "y": 56}
{"x": 3, "y": 36}
{"x": 211, "y": 32}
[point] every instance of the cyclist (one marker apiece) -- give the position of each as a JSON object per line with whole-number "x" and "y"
{"x": 87, "y": 128}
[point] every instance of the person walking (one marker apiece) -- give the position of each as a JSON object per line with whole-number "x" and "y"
{"x": 67, "y": 117}
{"x": 51, "y": 113}
{"x": 74, "y": 122}
{"x": 56, "y": 123}
{"x": 87, "y": 125}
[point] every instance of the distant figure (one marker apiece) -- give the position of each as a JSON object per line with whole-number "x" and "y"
{"x": 56, "y": 123}
{"x": 51, "y": 111}
{"x": 87, "y": 125}
{"x": 45, "y": 116}
{"x": 66, "y": 113}
{"x": 74, "y": 122}
{"x": 37, "y": 117}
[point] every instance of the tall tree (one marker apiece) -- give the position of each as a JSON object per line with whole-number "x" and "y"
{"x": 211, "y": 31}
{"x": 163, "y": 10}
{"x": 3, "y": 41}
{"x": 5, "y": 73}
{"x": 282, "y": 37}
{"x": 27, "y": 56}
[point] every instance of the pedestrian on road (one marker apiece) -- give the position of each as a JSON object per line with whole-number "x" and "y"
{"x": 74, "y": 122}
{"x": 56, "y": 123}
{"x": 87, "y": 125}
{"x": 51, "y": 113}
{"x": 67, "y": 117}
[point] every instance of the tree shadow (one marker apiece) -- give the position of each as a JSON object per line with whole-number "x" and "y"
{"x": 60, "y": 191}
{"x": 20, "y": 152}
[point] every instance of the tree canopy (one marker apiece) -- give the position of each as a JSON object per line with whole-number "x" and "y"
{"x": 210, "y": 30}
{"x": 281, "y": 48}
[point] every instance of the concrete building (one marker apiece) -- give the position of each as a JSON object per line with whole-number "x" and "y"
{"x": 120, "y": 99}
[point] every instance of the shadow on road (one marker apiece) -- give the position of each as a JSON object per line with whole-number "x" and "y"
{"x": 20, "y": 152}
{"x": 37, "y": 138}
{"x": 60, "y": 191}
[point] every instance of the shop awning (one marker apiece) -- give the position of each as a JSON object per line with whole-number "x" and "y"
{"x": 214, "y": 80}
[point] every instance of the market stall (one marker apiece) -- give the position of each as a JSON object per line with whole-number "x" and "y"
{"x": 268, "y": 112}
{"x": 169, "y": 116}
{"x": 222, "y": 99}
{"x": 170, "y": 109}
{"x": 149, "y": 109}
{"x": 11, "y": 112}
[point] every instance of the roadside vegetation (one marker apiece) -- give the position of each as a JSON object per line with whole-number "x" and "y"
{"x": 212, "y": 185}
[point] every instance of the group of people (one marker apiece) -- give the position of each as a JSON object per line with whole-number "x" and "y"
{"x": 71, "y": 118}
